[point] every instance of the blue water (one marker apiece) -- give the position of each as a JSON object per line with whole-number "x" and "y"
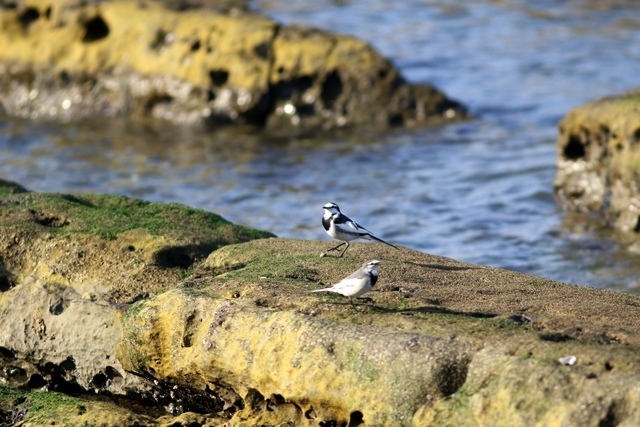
{"x": 478, "y": 191}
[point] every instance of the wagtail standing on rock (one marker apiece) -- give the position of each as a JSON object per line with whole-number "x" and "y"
{"x": 341, "y": 227}
{"x": 358, "y": 283}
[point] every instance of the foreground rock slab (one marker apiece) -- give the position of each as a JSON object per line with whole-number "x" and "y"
{"x": 67, "y": 266}
{"x": 162, "y": 315}
{"x": 440, "y": 343}
{"x": 71, "y": 59}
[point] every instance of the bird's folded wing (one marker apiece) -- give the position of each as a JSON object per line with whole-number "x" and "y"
{"x": 349, "y": 282}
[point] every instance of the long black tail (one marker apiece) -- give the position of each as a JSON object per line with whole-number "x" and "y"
{"x": 382, "y": 241}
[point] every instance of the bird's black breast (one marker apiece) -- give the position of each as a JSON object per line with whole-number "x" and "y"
{"x": 326, "y": 223}
{"x": 374, "y": 279}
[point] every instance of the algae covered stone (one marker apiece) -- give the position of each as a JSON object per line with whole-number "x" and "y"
{"x": 70, "y": 59}
{"x": 598, "y": 161}
{"x": 107, "y": 244}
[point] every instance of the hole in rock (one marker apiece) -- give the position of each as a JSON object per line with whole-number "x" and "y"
{"x": 68, "y": 364}
{"x": 157, "y": 99}
{"x": 636, "y": 136}
{"x": 57, "y": 307}
{"x": 396, "y": 120}
{"x": 7, "y": 354}
{"x": 310, "y": 414}
{"x": 95, "y": 29}
{"x": 36, "y": 381}
{"x": 51, "y": 368}
{"x": 574, "y": 149}
{"x": 99, "y": 380}
{"x": 555, "y": 337}
{"x": 28, "y": 17}
{"x": 218, "y": 77}
{"x": 262, "y": 50}
{"x": 112, "y": 372}
{"x": 173, "y": 257}
{"x": 195, "y": 46}
{"x": 6, "y": 283}
{"x": 355, "y": 419}
{"x": 332, "y": 88}
{"x": 611, "y": 418}
{"x": 14, "y": 373}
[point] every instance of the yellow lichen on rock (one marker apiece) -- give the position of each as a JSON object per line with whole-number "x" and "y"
{"x": 335, "y": 369}
{"x": 598, "y": 161}
{"x": 107, "y": 35}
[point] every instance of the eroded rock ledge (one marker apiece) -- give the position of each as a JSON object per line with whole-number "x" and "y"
{"x": 236, "y": 338}
{"x": 71, "y": 59}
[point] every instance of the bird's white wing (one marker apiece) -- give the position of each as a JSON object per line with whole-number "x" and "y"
{"x": 348, "y": 283}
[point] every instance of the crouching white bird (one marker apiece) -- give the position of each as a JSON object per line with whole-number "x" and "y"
{"x": 357, "y": 283}
{"x": 341, "y": 227}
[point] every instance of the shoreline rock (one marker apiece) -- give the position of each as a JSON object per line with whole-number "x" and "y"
{"x": 72, "y": 60}
{"x": 598, "y": 164}
{"x": 236, "y": 338}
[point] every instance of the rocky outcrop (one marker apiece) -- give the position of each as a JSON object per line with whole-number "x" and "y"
{"x": 236, "y": 338}
{"x": 72, "y": 59}
{"x": 598, "y": 162}
{"x": 66, "y": 264}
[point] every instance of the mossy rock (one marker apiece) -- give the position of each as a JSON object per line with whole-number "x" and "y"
{"x": 439, "y": 342}
{"x": 598, "y": 163}
{"x": 128, "y": 246}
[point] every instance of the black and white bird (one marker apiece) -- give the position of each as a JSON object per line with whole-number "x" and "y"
{"x": 341, "y": 227}
{"x": 357, "y": 283}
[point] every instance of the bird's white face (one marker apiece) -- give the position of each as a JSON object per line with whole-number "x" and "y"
{"x": 372, "y": 266}
{"x": 330, "y": 209}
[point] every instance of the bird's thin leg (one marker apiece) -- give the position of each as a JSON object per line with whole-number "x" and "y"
{"x": 345, "y": 250}
{"x": 336, "y": 247}
{"x": 352, "y": 304}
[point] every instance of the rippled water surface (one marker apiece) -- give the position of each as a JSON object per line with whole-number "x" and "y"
{"x": 479, "y": 191}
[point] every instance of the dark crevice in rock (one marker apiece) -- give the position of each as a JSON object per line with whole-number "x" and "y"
{"x": 112, "y": 372}
{"x": 173, "y": 257}
{"x": 69, "y": 364}
{"x": 161, "y": 39}
{"x": 99, "y": 380}
{"x": 195, "y": 46}
{"x": 262, "y": 51}
{"x": 611, "y": 418}
{"x": 57, "y": 307}
{"x": 95, "y": 29}
{"x": 332, "y": 88}
{"x": 14, "y": 375}
{"x": 636, "y": 137}
{"x": 356, "y": 418}
{"x": 574, "y": 149}
{"x": 7, "y": 354}
{"x": 6, "y": 281}
{"x": 331, "y": 423}
{"x": 555, "y": 337}
{"x": 254, "y": 400}
{"x": 28, "y": 17}
{"x": 157, "y": 99}
{"x": 36, "y": 381}
{"x": 189, "y": 331}
{"x": 218, "y": 77}
{"x": 48, "y": 220}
